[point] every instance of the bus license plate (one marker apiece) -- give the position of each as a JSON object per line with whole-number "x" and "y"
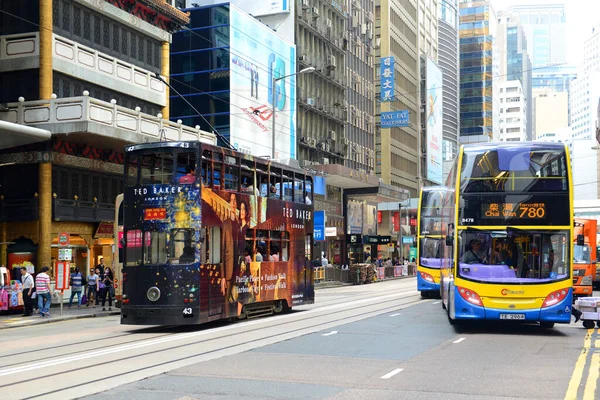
{"x": 512, "y": 316}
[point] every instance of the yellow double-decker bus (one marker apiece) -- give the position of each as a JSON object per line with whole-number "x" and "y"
{"x": 509, "y": 243}
{"x": 431, "y": 234}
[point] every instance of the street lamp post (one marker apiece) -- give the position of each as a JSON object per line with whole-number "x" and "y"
{"x": 274, "y": 95}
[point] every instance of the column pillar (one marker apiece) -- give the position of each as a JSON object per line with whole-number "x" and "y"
{"x": 45, "y": 214}
{"x": 45, "y": 71}
{"x": 3, "y": 255}
{"x": 165, "y": 71}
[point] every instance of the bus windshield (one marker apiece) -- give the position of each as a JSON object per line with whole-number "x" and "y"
{"x": 431, "y": 252}
{"x": 514, "y": 169}
{"x": 581, "y": 254}
{"x": 514, "y": 256}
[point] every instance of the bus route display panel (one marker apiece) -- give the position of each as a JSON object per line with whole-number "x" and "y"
{"x": 514, "y": 210}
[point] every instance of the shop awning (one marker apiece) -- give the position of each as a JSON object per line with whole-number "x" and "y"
{"x": 13, "y": 135}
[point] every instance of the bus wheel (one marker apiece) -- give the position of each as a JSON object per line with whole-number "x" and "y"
{"x": 588, "y": 324}
{"x": 548, "y": 325}
{"x": 424, "y": 295}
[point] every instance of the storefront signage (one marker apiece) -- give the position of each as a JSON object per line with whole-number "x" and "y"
{"x": 354, "y": 239}
{"x": 330, "y": 207}
{"x": 155, "y": 214}
{"x": 319, "y": 226}
{"x": 407, "y": 239}
{"x": 377, "y": 239}
{"x": 106, "y": 229}
{"x": 330, "y": 231}
{"x": 64, "y": 239}
{"x": 395, "y": 119}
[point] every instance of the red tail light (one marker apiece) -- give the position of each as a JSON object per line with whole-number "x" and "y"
{"x": 126, "y": 301}
{"x": 469, "y": 296}
{"x": 555, "y": 297}
{"x": 185, "y": 300}
{"x": 124, "y": 276}
{"x": 427, "y": 277}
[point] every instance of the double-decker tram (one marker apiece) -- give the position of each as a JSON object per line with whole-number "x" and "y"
{"x": 431, "y": 234}
{"x": 210, "y": 233}
{"x": 510, "y": 236}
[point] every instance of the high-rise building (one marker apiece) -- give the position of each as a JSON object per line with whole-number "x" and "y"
{"x": 77, "y": 83}
{"x": 358, "y": 144}
{"x": 546, "y": 31}
{"x": 397, "y": 149}
{"x": 448, "y": 60}
{"x": 477, "y": 59}
{"x": 550, "y": 109}
{"x": 513, "y": 79}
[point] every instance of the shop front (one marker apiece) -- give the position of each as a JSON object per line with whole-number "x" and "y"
{"x": 102, "y": 245}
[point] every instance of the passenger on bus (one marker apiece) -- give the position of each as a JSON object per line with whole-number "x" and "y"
{"x": 189, "y": 177}
{"x": 188, "y": 256}
{"x": 475, "y": 255}
{"x": 274, "y": 254}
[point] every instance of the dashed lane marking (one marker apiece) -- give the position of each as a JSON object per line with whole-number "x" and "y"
{"x": 390, "y": 374}
{"x": 459, "y": 340}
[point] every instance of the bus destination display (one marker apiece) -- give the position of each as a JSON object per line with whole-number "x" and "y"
{"x": 514, "y": 210}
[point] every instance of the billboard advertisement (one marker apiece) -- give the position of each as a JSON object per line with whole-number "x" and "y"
{"x": 355, "y": 218}
{"x": 257, "y": 56}
{"x": 433, "y": 81}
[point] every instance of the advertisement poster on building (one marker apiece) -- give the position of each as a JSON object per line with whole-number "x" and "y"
{"x": 434, "y": 122}
{"x": 257, "y": 56}
{"x": 369, "y": 219}
{"x": 355, "y": 218}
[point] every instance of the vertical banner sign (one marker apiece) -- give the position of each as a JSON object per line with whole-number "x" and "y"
{"x": 387, "y": 79}
{"x": 435, "y": 128}
{"x": 319, "y": 226}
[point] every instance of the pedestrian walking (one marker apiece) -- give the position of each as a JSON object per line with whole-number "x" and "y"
{"x": 108, "y": 280}
{"x": 76, "y": 287}
{"x": 28, "y": 286}
{"x": 92, "y": 288}
{"x": 42, "y": 284}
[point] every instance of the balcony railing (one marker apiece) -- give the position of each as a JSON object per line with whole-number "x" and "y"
{"x": 19, "y": 45}
{"x": 82, "y": 211}
{"x": 13, "y": 210}
{"x": 63, "y": 112}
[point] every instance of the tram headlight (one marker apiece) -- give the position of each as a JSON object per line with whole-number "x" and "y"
{"x": 153, "y": 293}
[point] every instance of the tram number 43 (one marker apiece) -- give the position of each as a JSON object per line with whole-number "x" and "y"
{"x": 188, "y": 312}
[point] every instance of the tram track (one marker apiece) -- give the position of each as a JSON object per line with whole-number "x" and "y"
{"x": 400, "y": 300}
{"x": 203, "y": 327}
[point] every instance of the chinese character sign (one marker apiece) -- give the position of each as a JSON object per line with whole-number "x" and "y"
{"x": 387, "y": 79}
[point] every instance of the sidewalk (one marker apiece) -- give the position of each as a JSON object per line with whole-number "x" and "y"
{"x": 16, "y": 320}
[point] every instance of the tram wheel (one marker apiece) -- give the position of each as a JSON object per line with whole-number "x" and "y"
{"x": 278, "y": 307}
{"x": 588, "y": 324}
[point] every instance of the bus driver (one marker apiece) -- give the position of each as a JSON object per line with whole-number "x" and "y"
{"x": 475, "y": 255}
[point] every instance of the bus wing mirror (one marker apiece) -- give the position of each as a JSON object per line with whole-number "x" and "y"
{"x": 580, "y": 240}
{"x": 449, "y": 240}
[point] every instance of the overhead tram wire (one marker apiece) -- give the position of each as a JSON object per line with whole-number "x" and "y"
{"x": 225, "y": 140}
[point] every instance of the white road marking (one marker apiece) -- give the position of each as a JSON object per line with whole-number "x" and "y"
{"x": 390, "y": 374}
{"x": 395, "y": 315}
{"x": 459, "y": 340}
{"x": 437, "y": 302}
{"x": 330, "y": 333}
{"x": 182, "y": 336}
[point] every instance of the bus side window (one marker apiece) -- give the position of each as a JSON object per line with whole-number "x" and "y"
{"x": 213, "y": 245}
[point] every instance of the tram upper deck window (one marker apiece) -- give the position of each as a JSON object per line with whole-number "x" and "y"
{"x": 308, "y": 188}
{"x": 232, "y": 172}
{"x": 157, "y": 167}
{"x": 131, "y": 167}
{"x": 514, "y": 169}
{"x": 186, "y": 168}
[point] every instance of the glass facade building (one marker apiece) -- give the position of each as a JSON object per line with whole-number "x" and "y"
{"x": 200, "y": 70}
{"x": 476, "y": 64}
{"x": 448, "y": 61}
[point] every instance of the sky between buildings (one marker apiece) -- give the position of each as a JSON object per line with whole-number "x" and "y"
{"x": 581, "y": 15}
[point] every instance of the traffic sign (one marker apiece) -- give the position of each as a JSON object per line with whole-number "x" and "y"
{"x": 64, "y": 239}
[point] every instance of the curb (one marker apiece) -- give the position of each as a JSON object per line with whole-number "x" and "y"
{"x": 41, "y": 321}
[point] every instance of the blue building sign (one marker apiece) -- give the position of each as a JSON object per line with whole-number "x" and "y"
{"x": 319, "y": 226}
{"x": 394, "y": 119}
{"x": 387, "y": 79}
